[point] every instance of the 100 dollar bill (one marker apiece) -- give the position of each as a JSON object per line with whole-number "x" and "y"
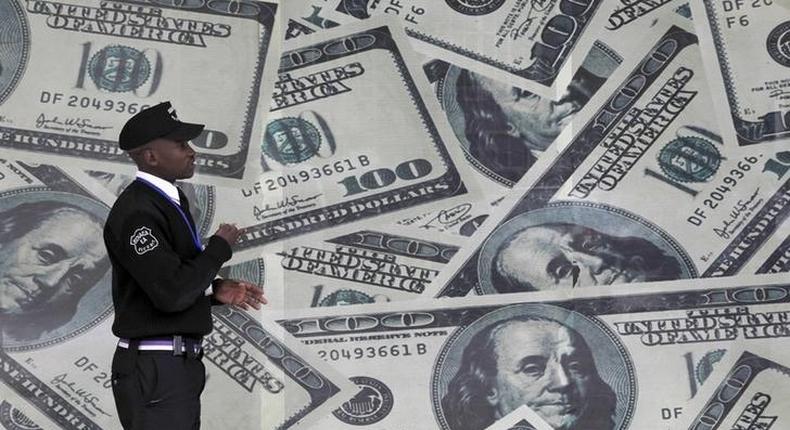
{"x": 74, "y": 72}
{"x": 530, "y": 44}
{"x": 600, "y": 359}
{"x": 353, "y": 132}
{"x": 748, "y": 390}
{"x": 745, "y": 46}
{"x": 645, "y": 190}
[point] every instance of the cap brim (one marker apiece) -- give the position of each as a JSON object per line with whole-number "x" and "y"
{"x": 185, "y": 131}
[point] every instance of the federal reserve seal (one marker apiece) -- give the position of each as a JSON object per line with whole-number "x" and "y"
{"x": 475, "y": 7}
{"x": 291, "y": 140}
{"x": 119, "y": 69}
{"x": 346, "y": 297}
{"x": 778, "y": 44}
{"x": 689, "y": 159}
{"x": 373, "y": 402}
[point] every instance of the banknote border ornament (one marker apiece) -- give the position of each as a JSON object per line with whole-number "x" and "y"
{"x": 612, "y": 361}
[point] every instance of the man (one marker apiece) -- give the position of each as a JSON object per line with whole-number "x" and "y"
{"x": 507, "y": 127}
{"x": 558, "y": 255}
{"x": 161, "y": 272}
{"x": 530, "y": 361}
{"x": 51, "y": 254}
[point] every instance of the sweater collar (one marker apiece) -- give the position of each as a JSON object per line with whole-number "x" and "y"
{"x": 166, "y": 187}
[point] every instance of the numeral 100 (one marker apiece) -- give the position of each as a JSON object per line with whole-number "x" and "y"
{"x": 379, "y": 178}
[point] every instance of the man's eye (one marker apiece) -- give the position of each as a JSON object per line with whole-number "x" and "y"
{"x": 564, "y": 270}
{"x": 592, "y": 242}
{"x": 47, "y": 255}
{"x": 533, "y": 369}
{"x": 575, "y": 366}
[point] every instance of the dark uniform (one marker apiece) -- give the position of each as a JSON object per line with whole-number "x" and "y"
{"x": 160, "y": 276}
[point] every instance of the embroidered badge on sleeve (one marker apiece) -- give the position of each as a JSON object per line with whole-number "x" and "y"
{"x": 143, "y": 240}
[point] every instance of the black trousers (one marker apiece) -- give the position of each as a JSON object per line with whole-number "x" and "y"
{"x": 157, "y": 390}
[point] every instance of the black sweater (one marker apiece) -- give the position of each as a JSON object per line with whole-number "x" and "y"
{"x": 159, "y": 276}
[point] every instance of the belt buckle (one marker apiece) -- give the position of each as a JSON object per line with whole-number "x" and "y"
{"x": 178, "y": 345}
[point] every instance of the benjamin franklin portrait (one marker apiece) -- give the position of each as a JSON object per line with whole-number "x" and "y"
{"x": 503, "y": 128}
{"x": 571, "y": 246}
{"x": 539, "y": 356}
{"x": 54, "y": 271}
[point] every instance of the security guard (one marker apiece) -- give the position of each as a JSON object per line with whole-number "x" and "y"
{"x": 163, "y": 278}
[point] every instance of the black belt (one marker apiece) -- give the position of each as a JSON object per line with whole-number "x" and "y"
{"x": 179, "y": 345}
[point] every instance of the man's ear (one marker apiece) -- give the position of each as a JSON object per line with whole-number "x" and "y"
{"x": 150, "y": 157}
{"x": 512, "y": 130}
{"x": 492, "y": 397}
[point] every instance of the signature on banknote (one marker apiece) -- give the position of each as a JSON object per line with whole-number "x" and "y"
{"x": 79, "y": 395}
{"x": 739, "y": 215}
{"x": 534, "y": 6}
{"x": 289, "y": 204}
{"x": 55, "y": 123}
{"x": 449, "y": 217}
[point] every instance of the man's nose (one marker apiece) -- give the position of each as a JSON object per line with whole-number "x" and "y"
{"x": 558, "y": 377}
{"x": 52, "y": 276}
{"x": 595, "y": 264}
{"x": 190, "y": 150}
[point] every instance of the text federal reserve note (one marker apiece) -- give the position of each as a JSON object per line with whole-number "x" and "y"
{"x": 72, "y": 73}
{"x": 614, "y": 358}
{"x": 746, "y": 47}
{"x": 646, "y": 190}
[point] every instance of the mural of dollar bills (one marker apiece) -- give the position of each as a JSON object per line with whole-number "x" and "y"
{"x": 465, "y": 214}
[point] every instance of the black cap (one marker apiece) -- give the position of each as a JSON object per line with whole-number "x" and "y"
{"x": 153, "y": 123}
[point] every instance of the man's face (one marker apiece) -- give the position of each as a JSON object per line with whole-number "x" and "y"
{"x": 536, "y": 120}
{"x": 175, "y": 159}
{"x": 563, "y": 256}
{"x": 50, "y": 260}
{"x": 543, "y": 365}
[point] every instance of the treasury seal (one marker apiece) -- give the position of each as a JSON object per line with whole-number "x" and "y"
{"x": 119, "y": 69}
{"x": 475, "y": 7}
{"x": 12, "y": 418}
{"x": 291, "y": 140}
{"x": 689, "y": 159}
{"x": 371, "y": 404}
{"x": 778, "y": 44}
